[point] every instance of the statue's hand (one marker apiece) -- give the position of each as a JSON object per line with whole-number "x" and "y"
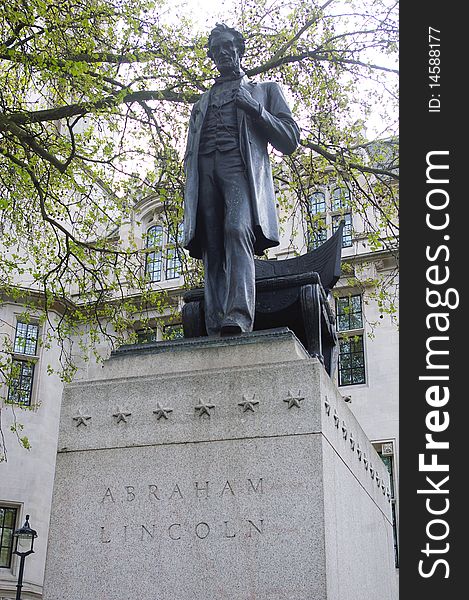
{"x": 245, "y": 101}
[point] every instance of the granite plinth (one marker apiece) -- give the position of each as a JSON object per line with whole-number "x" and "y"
{"x": 240, "y": 475}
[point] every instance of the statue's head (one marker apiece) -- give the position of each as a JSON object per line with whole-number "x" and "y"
{"x": 225, "y": 47}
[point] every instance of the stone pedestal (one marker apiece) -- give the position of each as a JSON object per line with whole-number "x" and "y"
{"x": 212, "y": 469}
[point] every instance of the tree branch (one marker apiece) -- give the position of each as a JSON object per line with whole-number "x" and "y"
{"x": 25, "y": 138}
{"x": 313, "y": 54}
{"x": 71, "y": 110}
{"x": 353, "y": 165}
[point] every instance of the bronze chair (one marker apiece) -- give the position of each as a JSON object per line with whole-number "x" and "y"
{"x": 290, "y": 293}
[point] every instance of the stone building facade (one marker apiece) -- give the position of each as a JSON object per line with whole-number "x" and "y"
{"x": 367, "y": 374}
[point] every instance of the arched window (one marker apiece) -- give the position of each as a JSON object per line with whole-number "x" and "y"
{"x": 163, "y": 262}
{"x": 326, "y": 210}
{"x": 316, "y": 237}
{"x": 25, "y": 356}
{"x": 347, "y": 240}
{"x": 154, "y": 261}
{"x": 173, "y": 247}
{"x": 340, "y": 198}
{"x": 316, "y": 228}
{"x": 340, "y": 201}
{"x": 317, "y": 203}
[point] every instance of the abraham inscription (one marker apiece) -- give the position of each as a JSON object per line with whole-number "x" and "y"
{"x": 175, "y": 505}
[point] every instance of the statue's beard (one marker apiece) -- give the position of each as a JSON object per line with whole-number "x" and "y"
{"x": 228, "y": 75}
{"x": 230, "y": 68}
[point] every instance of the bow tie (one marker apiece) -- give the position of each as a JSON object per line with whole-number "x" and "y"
{"x": 230, "y": 77}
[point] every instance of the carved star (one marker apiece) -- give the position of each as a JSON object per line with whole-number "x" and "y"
{"x": 365, "y": 461}
{"x": 161, "y": 412}
{"x": 352, "y": 441}
{"x": 121, "y": 415}
{"x": 328, "y": 407}
{"x": 293, "y": 400}
{"x": 372, "y": 471}
{"x": 344, "y": 430}
{"x": 204, "y": 409}
{"x": 336, "y": 418}
{"x": 81, "y": 419}
{"x": 378, "y": 479}
{"x": 359, "y": 451}
{"x": 248, "y": 404}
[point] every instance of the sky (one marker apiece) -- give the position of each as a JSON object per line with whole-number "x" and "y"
{"x": 206, "y": 13}
{"x": 207, "y": 10}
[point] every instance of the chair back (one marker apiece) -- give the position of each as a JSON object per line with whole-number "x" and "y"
{"x": 324, "y": 260}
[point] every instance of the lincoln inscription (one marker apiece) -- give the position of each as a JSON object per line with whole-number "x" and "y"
{"x": 246, "y": 528}
{"x": 186, "y": 496}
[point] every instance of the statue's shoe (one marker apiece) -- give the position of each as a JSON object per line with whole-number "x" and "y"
{"x": 230, "y": 328}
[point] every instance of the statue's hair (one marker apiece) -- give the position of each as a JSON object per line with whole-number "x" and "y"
{"x": 222, "y": 28}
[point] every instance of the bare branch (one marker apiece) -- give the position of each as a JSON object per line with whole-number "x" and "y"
{"x": 335, "y": 158}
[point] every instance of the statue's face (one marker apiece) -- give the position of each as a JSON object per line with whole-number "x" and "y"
{"x": 225, "y": 53}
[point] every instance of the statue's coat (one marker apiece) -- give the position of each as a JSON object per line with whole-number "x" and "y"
{"x": 275, "y": 126}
